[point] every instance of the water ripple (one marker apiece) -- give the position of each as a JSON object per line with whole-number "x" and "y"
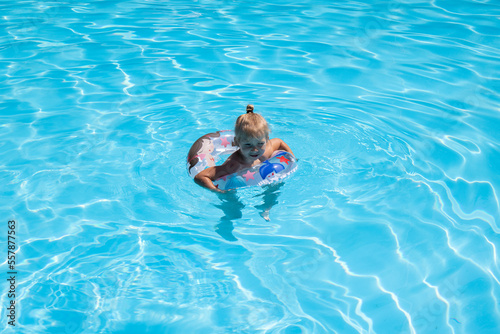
{"x": 390, "y": 224}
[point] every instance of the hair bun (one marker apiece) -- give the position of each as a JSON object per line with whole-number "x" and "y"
{"x": 249, "y": 108}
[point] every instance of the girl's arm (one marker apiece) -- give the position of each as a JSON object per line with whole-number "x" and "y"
{"x": 206, "y": 176}
{"x": 280, "y": 145}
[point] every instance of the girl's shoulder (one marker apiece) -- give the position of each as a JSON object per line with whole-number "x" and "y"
{"x": 275, "y": 143}
{"x": 233, "y": 163}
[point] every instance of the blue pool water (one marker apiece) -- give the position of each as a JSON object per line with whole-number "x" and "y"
{"x": 389, "y": 225}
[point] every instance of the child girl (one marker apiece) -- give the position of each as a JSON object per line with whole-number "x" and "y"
{"x": 251, "y": 134}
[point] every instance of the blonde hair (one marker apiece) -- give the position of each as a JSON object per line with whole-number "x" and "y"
{"x": 251, "y": 125}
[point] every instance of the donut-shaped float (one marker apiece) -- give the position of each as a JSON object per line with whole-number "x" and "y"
{"x": 207, "y": 150}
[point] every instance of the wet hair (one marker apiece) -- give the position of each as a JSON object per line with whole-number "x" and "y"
{"x": 251, "y": 125}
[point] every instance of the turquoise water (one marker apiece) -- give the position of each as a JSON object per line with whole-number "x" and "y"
{"x": 390, "y": 224}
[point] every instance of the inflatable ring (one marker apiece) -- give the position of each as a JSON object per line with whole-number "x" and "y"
{"x": 206, "y": 152}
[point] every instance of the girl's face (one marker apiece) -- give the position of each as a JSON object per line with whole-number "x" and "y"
{"x": 252, "y": 148}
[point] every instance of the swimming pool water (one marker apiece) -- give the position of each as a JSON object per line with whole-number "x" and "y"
{"x": 389, "y": 225}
